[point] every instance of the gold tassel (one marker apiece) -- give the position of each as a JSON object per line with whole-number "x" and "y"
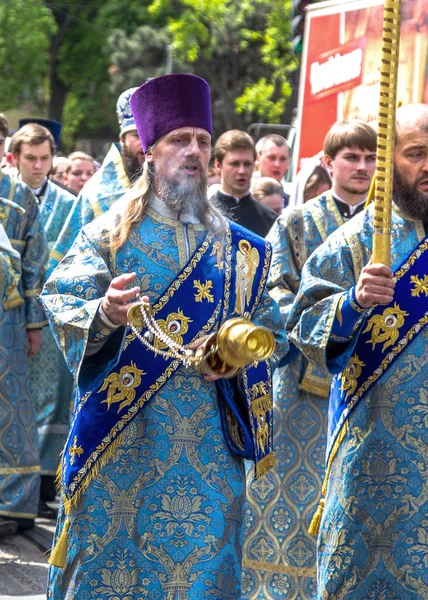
{"x": 319, "y": 390}
{"x": 264, "y": 465}
{"x": 58, "y": 556}
{"x": 314, "y": 526}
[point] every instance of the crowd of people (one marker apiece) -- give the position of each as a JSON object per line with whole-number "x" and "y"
{"x": 300, "y": 476}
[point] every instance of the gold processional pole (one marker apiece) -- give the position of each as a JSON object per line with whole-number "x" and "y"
{"x": 382, "y": 183}
{"x": 386, "y": 132}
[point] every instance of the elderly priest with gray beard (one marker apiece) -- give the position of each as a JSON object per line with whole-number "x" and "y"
{"x": 161, "y": 311}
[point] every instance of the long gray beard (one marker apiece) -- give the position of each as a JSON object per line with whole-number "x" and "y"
{"x": 185, "y": 196}
{"x": 191, "y": 197}
{"x": 413, "y": 203}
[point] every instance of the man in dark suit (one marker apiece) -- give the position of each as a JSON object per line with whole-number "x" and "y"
{"x": 235, "y": 155}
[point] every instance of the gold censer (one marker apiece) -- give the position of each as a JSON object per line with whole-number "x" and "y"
{"x": 237, "y": 343}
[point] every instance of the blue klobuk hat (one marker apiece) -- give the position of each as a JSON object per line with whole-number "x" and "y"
{"x": 124, "y": 113}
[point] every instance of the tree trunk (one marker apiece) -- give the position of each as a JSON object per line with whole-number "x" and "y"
{"x": 58, "y": 93}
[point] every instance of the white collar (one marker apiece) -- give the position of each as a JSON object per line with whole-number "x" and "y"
{"x": 352, "y": 207}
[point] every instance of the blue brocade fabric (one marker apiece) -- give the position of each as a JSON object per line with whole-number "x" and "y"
{"x": 51, "y": 383}
{"x": 108, "y": 184}
{"x": 373, "y": 536}
{"x": 279, "y": 553}
{"x": 19, "y": 452}
{"x": 163, "y": 518}
{"x": 10, "y": 274}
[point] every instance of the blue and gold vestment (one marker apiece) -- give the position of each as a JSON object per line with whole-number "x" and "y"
{"x": 51, "y": 384}
{"x": 373, "y": 532}
{"x": 108, "y": 184}
{"x": 10, "y": 273}
{"x": 10, "y": 269}
{"x": 19, "y": 452}
{"x": 162, "y": 517}
{"x": 279, "y": 554}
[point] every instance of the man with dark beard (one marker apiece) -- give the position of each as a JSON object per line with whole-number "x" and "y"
{"x": 365, "y": 323}
{"x": 153, "y": 480}
{"x": 120, "y": 168}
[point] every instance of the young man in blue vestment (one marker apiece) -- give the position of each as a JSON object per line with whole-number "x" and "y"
{"x": 279, "y": 553}
{"x": 365, "y": 323}
{"x": 153, "y": 478}
{"x": 51, "y": 384}
{"x": 10, "y": 273}
{"x": 20, "y": 324}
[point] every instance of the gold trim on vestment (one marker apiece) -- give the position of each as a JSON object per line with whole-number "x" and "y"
{"x": 263, "y": 278}
{"x": 263, "y": 566}
{"x": 122, "y": 175}
{"x": 17, "y": 515}
{"x": 318, "y": 213}
{"x": 154, "y": 214}
{"x": 32, "y": 293}
{"x": 8, "y": 304}
{"x": 55, "y": 255}
{"x": 37, "y": 325}
{"x": 19, "y": 470}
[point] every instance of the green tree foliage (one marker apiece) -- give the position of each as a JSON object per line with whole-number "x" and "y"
{"x": 243, "y": 49}
{"x": 138, "y": 56}
{"x": 82, "y": 65}
{"x": 89, "y": 51}
{"x": 24, "y": 50}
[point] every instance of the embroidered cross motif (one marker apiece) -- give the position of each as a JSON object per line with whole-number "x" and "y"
{"x": 75, "y": 450}
{"x": 421, "y": 285}
{"x": 203, "y": 290}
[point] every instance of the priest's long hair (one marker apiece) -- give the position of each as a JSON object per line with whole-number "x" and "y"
{"x": 134, "y": 204}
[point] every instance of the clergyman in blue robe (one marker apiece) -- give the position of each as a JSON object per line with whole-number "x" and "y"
{"x": 279, "y": 552}
{"x": 120, "y": 167}
{"x": 153, "y": 478}
{"x": 19, "y": 449}
{"x": 366, "y": 323}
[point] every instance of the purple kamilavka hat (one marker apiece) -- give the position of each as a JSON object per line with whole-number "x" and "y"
{"x": 170, "y": 102}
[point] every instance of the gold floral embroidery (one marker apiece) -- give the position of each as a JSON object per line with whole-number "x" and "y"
{"x": 204, "y": 290}
{"x": 75, "y": 450}
{"x": 385, "y": 326}
{"x": 421, "y": 285}
{"x": 121, "y": 386}
{"x": 175, "y": 326}
{"x": 350, "y": 375}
